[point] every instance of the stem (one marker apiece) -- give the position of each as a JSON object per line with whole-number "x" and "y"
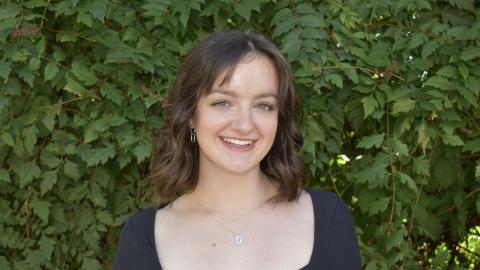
{"x": 469, "y": 251}
{"x": 44, "y": 12}
{"x": 392, "y": 167}
{"x": 416, "y": 203}
{"x": 451, "y": 208}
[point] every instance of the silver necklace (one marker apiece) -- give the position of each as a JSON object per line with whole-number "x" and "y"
{"x": 238, "y": 235}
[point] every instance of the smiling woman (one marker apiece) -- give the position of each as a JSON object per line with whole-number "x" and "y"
{"x": 229, "y": 180}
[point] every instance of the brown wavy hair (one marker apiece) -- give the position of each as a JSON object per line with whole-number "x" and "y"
{"x": 176, "y": 162}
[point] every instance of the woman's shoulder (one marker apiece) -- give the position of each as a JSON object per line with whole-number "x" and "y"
{"x": 323, "y": 198}
{"x": 328, "y": 206}
{"x": 142, "y": 216}
{"x": 141, "y": 223}
{"x": 136, "y": 247}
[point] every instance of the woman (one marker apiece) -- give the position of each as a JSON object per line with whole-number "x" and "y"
{"x": 231, "y": 148}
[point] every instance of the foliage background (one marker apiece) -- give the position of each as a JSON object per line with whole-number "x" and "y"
{"x": 390, "y": 93}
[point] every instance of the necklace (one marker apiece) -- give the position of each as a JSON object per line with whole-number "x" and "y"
{"x": 238, "y": 235}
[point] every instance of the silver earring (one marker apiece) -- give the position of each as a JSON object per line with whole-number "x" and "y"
{"x": 193, "y": 137}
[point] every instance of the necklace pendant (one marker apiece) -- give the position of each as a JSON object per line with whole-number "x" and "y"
{"x": 238, "y": 239}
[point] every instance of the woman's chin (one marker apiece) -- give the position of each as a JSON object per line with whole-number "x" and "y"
{"x": 239, "y": 169}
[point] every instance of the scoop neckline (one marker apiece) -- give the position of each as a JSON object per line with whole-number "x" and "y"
{"x": 315, "y": 231}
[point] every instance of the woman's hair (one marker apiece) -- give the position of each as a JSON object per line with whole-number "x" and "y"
{"x": 177, "y": 159}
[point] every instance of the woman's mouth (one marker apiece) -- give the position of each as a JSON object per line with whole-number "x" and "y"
{"x": 240, "y": 145}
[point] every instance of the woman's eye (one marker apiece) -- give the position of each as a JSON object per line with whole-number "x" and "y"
{"x": 265, "y": 107}
{"x": 220, "y": 103}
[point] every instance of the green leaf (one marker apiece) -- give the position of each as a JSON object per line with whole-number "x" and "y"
{"x": 369, "y": 105}
{"x": 27, "y": 75}
{"x": 403, "y": 105}
{"x": 7, "y": 139}
{"x": 49, "y": 159}
{"x": 71, "y": 169}
{"x": 463, "y": 4}
{"x": 352, "y": 75}
{"x": 371, "y": 174}
{"x": 438, "y": 82}
{"x": 90, "y": 135}
{"x": 448, "y": 71}
{"x": 470, "y": 53}
{"x": 399, "y": 148}
{"x": 452, "y": 139}
{"x": 98, "y": 9}
{"x": 472, "y": 146}
{"x": 468, "y": 95}
{"x": 4, "y": 264}
{"x": 314, "y": 132}
{"x": 244, "y": 8}
{"x": 123, "y": 160}
{"x": 47, "y": 246}
{"x": 477, "y": 172}
{"x": 4, "y": 101}
{"x": 335, "y": 79}
{"x": 406, "y": 179}
{"x": 74, "y": 87}
{"x": 84, "y": 18}
{"x": 4, "y": 175}
{"x": 30, "y": 138}
{"x": 463, "y": 69}
{"x": 83, "y": 73}
{"x": 28, "y": 173}
{"x": 477, "y": 203}
{"x": 423, "y": 138}
{"x": 51, "y": 70}
{"x": 112, "y": 93}
{"x": 105, "y": 218}
{"x": 184, "y": 8}
{"x": 5, "y": 69}
{"x": 429, "y": 47}
{"x": 49, "y": 179}
{"x": 99, "y": 155}
{"x": 90, "y": 264}
{"x": 445, "y": 166}
{"x": 142, "y": 151}
{"x": 368, "y": 142}
{"x": 421, "y": 166}
{"x": 416, "y": 40}
{"x": 379, "y": 205}
{"x": 429, "y": 222}
{"x": 49, "y": 119}
{"x": 395, "y": 239}
{"x": 379, "y": 55}
{"x": 41, "y": 209}
{"x": 9, "y": 11}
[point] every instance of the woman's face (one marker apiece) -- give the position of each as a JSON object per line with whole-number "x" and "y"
{"x": 236, "y": 122}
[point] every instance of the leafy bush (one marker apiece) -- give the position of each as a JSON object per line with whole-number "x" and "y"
{"x": 390, "y": 93}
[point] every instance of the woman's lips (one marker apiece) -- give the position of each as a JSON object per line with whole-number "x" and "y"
{"x": 238, "y": 147}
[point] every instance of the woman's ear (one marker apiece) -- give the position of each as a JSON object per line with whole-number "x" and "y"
{"x": 190, "y": 123}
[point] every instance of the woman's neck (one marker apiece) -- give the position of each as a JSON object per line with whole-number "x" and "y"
{"x": 236, "y": 194}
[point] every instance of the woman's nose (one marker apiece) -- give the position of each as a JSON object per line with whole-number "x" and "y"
{"x": 243, "y": 121}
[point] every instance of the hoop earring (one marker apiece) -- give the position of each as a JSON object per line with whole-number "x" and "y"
{"x": 193, "y": 137}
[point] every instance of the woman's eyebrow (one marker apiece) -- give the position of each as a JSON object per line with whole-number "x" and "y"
{"x": 235, "y": 95}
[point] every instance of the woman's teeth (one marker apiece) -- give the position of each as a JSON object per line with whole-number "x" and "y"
{"x": 238, "y": 142}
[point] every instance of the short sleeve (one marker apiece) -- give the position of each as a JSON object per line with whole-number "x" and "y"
{"x": 343, "y": 249}
{"x": 136, "y": 247}
{"x": 128, "y": 256}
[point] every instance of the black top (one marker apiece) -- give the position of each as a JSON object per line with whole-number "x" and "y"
{"x": 335, "y": 245}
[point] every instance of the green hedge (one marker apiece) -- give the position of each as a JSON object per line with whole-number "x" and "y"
{"x": 390, "y": 95}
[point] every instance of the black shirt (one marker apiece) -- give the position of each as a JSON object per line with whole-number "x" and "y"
{"x": 335, "y": 245}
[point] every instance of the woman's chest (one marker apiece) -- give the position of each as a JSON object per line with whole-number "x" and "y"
{"x": 273, "y": 242}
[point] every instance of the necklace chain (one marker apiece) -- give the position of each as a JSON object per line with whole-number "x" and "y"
{"x": 238, "y": 236}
